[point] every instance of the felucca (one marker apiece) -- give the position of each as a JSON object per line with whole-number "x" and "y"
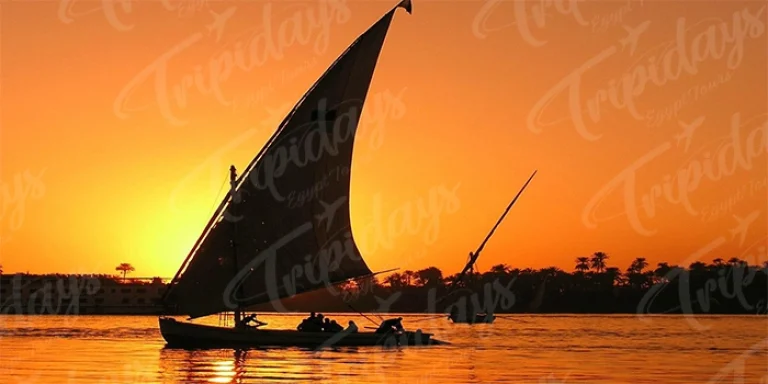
{"x": 258, "y": 248}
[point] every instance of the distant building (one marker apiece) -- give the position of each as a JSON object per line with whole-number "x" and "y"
{"x": 79, "y": 294}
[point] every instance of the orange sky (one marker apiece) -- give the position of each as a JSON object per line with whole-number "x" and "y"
{"x": 112, "y": 152}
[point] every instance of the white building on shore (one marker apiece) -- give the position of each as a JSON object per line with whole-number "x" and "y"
{"x": 79, "y": 294}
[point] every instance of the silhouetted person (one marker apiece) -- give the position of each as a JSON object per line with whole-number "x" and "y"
{"x": 391, "y": 325}
{"x": 252, "y": 318}
{"x": 399, "y": 325}
{"x": 311, "y": 324}
{"x": 352, "y": 328}
{"x": 334, "y": 327}
{"x": 327, "y": 325}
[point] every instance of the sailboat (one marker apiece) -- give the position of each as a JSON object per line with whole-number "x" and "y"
{"x": 260, "y": 247}
{"x": 471, "y": 316}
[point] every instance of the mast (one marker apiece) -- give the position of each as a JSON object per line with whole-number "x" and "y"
{"x": 235, "y": 270}
{"x": 473, "y": 256}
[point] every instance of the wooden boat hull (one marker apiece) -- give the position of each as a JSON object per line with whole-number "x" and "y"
{"x": 480, "y": 318}
{"x": 179, "y": 334}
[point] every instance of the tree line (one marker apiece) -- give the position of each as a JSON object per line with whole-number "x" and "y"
{"x": 722, "y": 286}
{"x": 719, "y": 287}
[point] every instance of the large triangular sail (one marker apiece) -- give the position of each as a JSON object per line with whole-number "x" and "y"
{"x": 287, "y": 216}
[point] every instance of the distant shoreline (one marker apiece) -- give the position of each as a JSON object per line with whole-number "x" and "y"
{"x": 732, "y": 287}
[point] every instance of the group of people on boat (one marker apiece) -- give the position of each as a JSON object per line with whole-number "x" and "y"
{"x": 320, "y": 323}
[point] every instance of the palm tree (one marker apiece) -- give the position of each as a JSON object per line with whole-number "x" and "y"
{"x": 582, "y": 264}
{"x": 638, "y": 265}
{"x": 598, "y": 261}
{"x": 431, "y": 276}
{"x": 614, "y": 275}
{"x": 500, "y": 269}
{"x": 662, "y": 272}
{"x": 395, "y": 280}
{"x": 697, "y": 267}
{"x": 550, "y": 271}
{"x": 125, "y": 268}
{"x": 635, "y": 272}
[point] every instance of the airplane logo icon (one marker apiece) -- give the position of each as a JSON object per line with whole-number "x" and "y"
{"x": 386, "y": 303}
{"x": 276, "y": 115}
{"x": 330, "y": 211}
{"x": 633, "y": 37}
{"x": 688, "y": 130}
{"x": 743, "y": 226}
{"x": 219, "y": 20}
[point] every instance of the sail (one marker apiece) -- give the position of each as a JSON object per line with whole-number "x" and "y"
{"x": 287, "y": 218}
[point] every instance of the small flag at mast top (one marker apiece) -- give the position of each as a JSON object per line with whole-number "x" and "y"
{"x": 406, "y": 4}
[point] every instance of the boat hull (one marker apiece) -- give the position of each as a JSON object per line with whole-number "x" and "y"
{"x": 480, "y": 318}
{"x": 179, "y": 334}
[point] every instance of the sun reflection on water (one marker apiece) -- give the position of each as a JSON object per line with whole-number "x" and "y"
{"x": 530, "y": 349}
{"x": 224, "y": 372}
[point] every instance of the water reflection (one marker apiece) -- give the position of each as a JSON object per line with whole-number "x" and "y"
{"x": 196, "y": 366}
{"x": 231, "y": 371}
{"x": 541, "y": 348}
{"x": 471, "y": 369}
{"x": 241, "y": 366}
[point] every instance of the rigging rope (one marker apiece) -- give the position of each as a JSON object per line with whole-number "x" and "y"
{"x": 360, "y": 278}
{"x": 217, "y": 201}
{"x": 515, "y": 319}
{"x": 362, "y": 314}
{"x": 429, "y": 318}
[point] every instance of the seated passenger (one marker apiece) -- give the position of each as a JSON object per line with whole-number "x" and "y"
{"x": 309, "y": 324}
{"x": 352, "y": 328}
{"x": 334, "y": 327}
{"x": 252, "y": 319}
{"x": 319, "y": 322}
{"x": 327, "y": 325}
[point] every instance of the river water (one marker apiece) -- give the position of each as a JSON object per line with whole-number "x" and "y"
{"x": 515, "y": 349}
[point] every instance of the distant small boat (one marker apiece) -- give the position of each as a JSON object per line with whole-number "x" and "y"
{"x": 481, "y": 317}
{"x": 259, "y": 248}
{"x": 486, "y": 318}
